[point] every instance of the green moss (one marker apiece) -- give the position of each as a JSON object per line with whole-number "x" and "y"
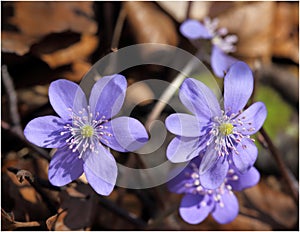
{"x": 279, "y": 112}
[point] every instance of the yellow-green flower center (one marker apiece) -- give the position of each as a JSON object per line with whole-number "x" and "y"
{"x": 87, "y": 131}
{"x": 226, "y": 128}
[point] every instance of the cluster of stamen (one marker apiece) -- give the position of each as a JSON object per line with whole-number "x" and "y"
{"x": 194, "y": 186}
{"x": 220, "y": 37}
{"x": 226, "y": 132}
{"x": 85, "y": 131}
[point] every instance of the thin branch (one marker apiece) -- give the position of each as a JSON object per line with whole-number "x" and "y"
{"x": 188, "y": 10}
{"x": 8, "y": 222}
{"x": 21, "y": 136}
{"x": 168, "y": 93}
{"x": 16, "y": 128}
{"x": 12, "y": 99}
{"x": 291, "y": 182}
{"x": 121, "y": 212}
{"x": 26, "y": 175}
{"x": 118, "y": 29}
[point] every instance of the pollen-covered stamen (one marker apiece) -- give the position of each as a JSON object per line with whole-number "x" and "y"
{"x": 226, "y": 132}
{"x": 220, "y": 36}
{"x": 85, "y": 131}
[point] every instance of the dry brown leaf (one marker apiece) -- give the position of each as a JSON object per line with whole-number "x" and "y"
{"x": 35, "y": 20}
{"x": 41, "y": 18}
{"x": 277, "y": 205}
{"x": 79, "y": 69}
{"x": 8, "y": 222}
{"x": 178, "y": 9}
{"x": 75, "y": 52}
{"x": 56, "y": 222}
{"x": 286, "y": 37}
{"x": 80, "y": 204}
{"x": 24, "y": 201}
{"x": 149, "y": 24}
{"x": 16, "y": 43}
{"x": 254, "y": 24}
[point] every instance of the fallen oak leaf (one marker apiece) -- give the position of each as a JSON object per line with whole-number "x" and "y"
{"x": 149, "y": 24}
{"x": 56, "y": 222}
{"x": 41, "y": 18}
{"x": 77, "y": 51}
{"x": 35, "y": 20}
{"x": 8, "y": 222}
{"x": 16, "y": 42}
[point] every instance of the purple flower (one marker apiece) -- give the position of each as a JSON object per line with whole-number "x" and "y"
{"x": 218, "y": 135}
{"x": 221, "y": 42}
{"x": 199, "y": 201}
{"x": 82, "y": 131}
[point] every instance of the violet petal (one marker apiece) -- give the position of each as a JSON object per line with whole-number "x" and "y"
{"x": 215, "y": 175}
{"x": 252, "y": 118}
{"x": 192, "y": 210}
{"x": 238, "y": 87}
{"x": 128, "y": 134}
{"x": 246, "y": 180}
{"x": 228, "y": 211}
{"x": 107, "y": 96}
{"x": 199, "y": 99}
{"x": 45, "y": 132}
{"x": 100, "y": 166}
{"x": 246, "y": 157}
{"x": 220, "y": 61}
{"x": 65, "y": 166}
{"x": 182, "y": 149}
{"x": 65, "y": 95}
{"x": 184, "y": 125}
{"x": 193, "y": 29}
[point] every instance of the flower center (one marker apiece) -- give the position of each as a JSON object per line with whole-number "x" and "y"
{"x": 226, "y": 128}
{"x": 87, "y": 131}
{"x": 193, "y": 185}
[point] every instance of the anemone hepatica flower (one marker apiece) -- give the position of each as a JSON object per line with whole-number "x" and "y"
{"x": 82, "y": 131}
{"x": 219, "y": 135}
{"x": 199, "y": 201}
{"x": 221, "y": 42}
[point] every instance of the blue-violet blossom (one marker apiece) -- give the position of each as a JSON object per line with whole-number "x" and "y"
{"x": 198, "y": 202}
{"x": 82, "y": 131}
{"x": 221, "y": 42}
{"x": 219, "y": 135}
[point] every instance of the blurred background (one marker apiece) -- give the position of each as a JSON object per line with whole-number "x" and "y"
{"x": 45, "y": 41}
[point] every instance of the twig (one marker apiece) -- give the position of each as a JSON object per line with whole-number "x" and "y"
{"x": 169, "y": 92}
{"x": 26, "y": 175}
{"x": 12, "y": 99}
{"x": 118, "y": 29}
{"x": 8, "y": 222}
{"x": 16, "y": 128}
{"x": 121, "y": 212}
{"x": 292, "y": 183}
{"x": 188, "y": 10}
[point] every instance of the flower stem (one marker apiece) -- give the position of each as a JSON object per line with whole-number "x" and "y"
{"x": 118, "y": 29}
{"x": 291, "y": 182}
{"x": 168, "y": 93}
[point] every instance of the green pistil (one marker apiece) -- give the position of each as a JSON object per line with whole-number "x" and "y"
{"x": 87, "y": 131}
{"x": 226, "y": 128}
